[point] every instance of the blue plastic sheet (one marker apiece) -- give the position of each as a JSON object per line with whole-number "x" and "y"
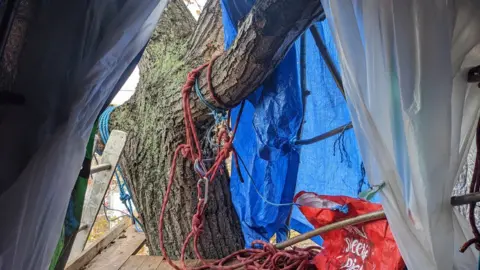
{"x": 268, "y": 128}
{"x": 268, "y": 155}
{"x": 332, "y": 166}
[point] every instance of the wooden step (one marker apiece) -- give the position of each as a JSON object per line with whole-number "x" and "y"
{"x": 139, "y": 262}
{"x": 113, "y": 257}
{"x": 111, "y": 251}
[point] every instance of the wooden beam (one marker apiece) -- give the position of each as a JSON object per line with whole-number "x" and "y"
{"x": 88, "y": 254}
{"x": 333, "y": 226}
{"x": 325, "y": 135}
{"x": 95, "y": 194}
{"x": 118, "y": 253}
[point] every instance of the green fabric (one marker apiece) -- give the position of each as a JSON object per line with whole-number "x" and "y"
{"x": 91, "y": 142}
{"x": 58, "y": 251}
{"x": 81, "y": 185}
{"x": 78, "y": 196}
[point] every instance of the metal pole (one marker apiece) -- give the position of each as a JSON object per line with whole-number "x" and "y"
{"x": 101, "y": 167}
{"x": 303, "y": 81}
{"x": 305, "y": 93}
{"x": 465, "y": 199}
{"x": 326, "y": 57}
{"x": 330, "y": 227}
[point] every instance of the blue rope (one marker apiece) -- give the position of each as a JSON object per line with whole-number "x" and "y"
{"x": 122, "y": 185}
{"x": 252, "y": 181}
{"x": 71, "y": 222}
{"x": 219, "y": 114}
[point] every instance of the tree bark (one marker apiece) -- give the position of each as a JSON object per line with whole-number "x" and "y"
{"x": 153, "y": 117}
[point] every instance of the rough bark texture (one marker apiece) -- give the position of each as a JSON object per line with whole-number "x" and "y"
{"x": 154, "y": 120}
{"x": 261, "y": 44}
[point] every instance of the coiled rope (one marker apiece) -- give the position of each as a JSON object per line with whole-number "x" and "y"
{"x": 123, "y": 187}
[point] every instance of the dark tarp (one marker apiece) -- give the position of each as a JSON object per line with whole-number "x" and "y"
{"x": 75, "y": 56}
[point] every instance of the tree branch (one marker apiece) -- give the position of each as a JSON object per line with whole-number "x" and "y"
{"x": 263, "y": 39}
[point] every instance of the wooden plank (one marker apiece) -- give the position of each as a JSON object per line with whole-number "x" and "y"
{"x": 165, "y": 266}
{"x": 133, "y": 263}
{"x": 101, "y": 181}
{"x": 190, "y": 263}
{"x": 88, "y": 254}
{"x": 151, "y": 263}
{"x": 140, "y": 262}
{"x": 118, "y": 253}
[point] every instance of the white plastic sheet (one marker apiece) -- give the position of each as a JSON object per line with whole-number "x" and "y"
{"x": 76, "y": 55}
{"x": 404, "y": 65}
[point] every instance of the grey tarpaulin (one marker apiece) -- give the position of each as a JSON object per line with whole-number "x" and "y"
{"x": 74, "y": 58}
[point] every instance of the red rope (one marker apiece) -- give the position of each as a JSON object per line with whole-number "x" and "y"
{"x": 266, "y": 258}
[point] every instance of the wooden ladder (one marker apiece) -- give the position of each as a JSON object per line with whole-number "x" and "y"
{"x": 102, "y": 176}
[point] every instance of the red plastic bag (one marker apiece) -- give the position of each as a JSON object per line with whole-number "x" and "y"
{"x": 368, "y": 246}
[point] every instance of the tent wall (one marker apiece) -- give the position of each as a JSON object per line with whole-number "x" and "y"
{"x": 404, "y": 69}
{"x": 76, "y": 55}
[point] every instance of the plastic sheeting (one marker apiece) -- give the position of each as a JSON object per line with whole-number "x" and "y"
{"x": 332, "y": 166}
{"x": 264, "y": 146}
{"x": 67, "y": 73}
{"x": 404, "y": 69}
{"x": 267, "y": 129}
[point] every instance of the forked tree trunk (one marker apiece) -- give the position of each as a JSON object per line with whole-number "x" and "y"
{"x": 153, "y": 117}
{"x": 154, "y": 121}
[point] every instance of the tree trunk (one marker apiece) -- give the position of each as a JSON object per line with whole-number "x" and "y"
{"x": 153, "y": 117}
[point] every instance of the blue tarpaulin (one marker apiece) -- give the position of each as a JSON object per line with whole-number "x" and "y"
{"x": 268, "y": 128}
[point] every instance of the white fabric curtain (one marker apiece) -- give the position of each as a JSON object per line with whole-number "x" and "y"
{"x": 404, "y": 67}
